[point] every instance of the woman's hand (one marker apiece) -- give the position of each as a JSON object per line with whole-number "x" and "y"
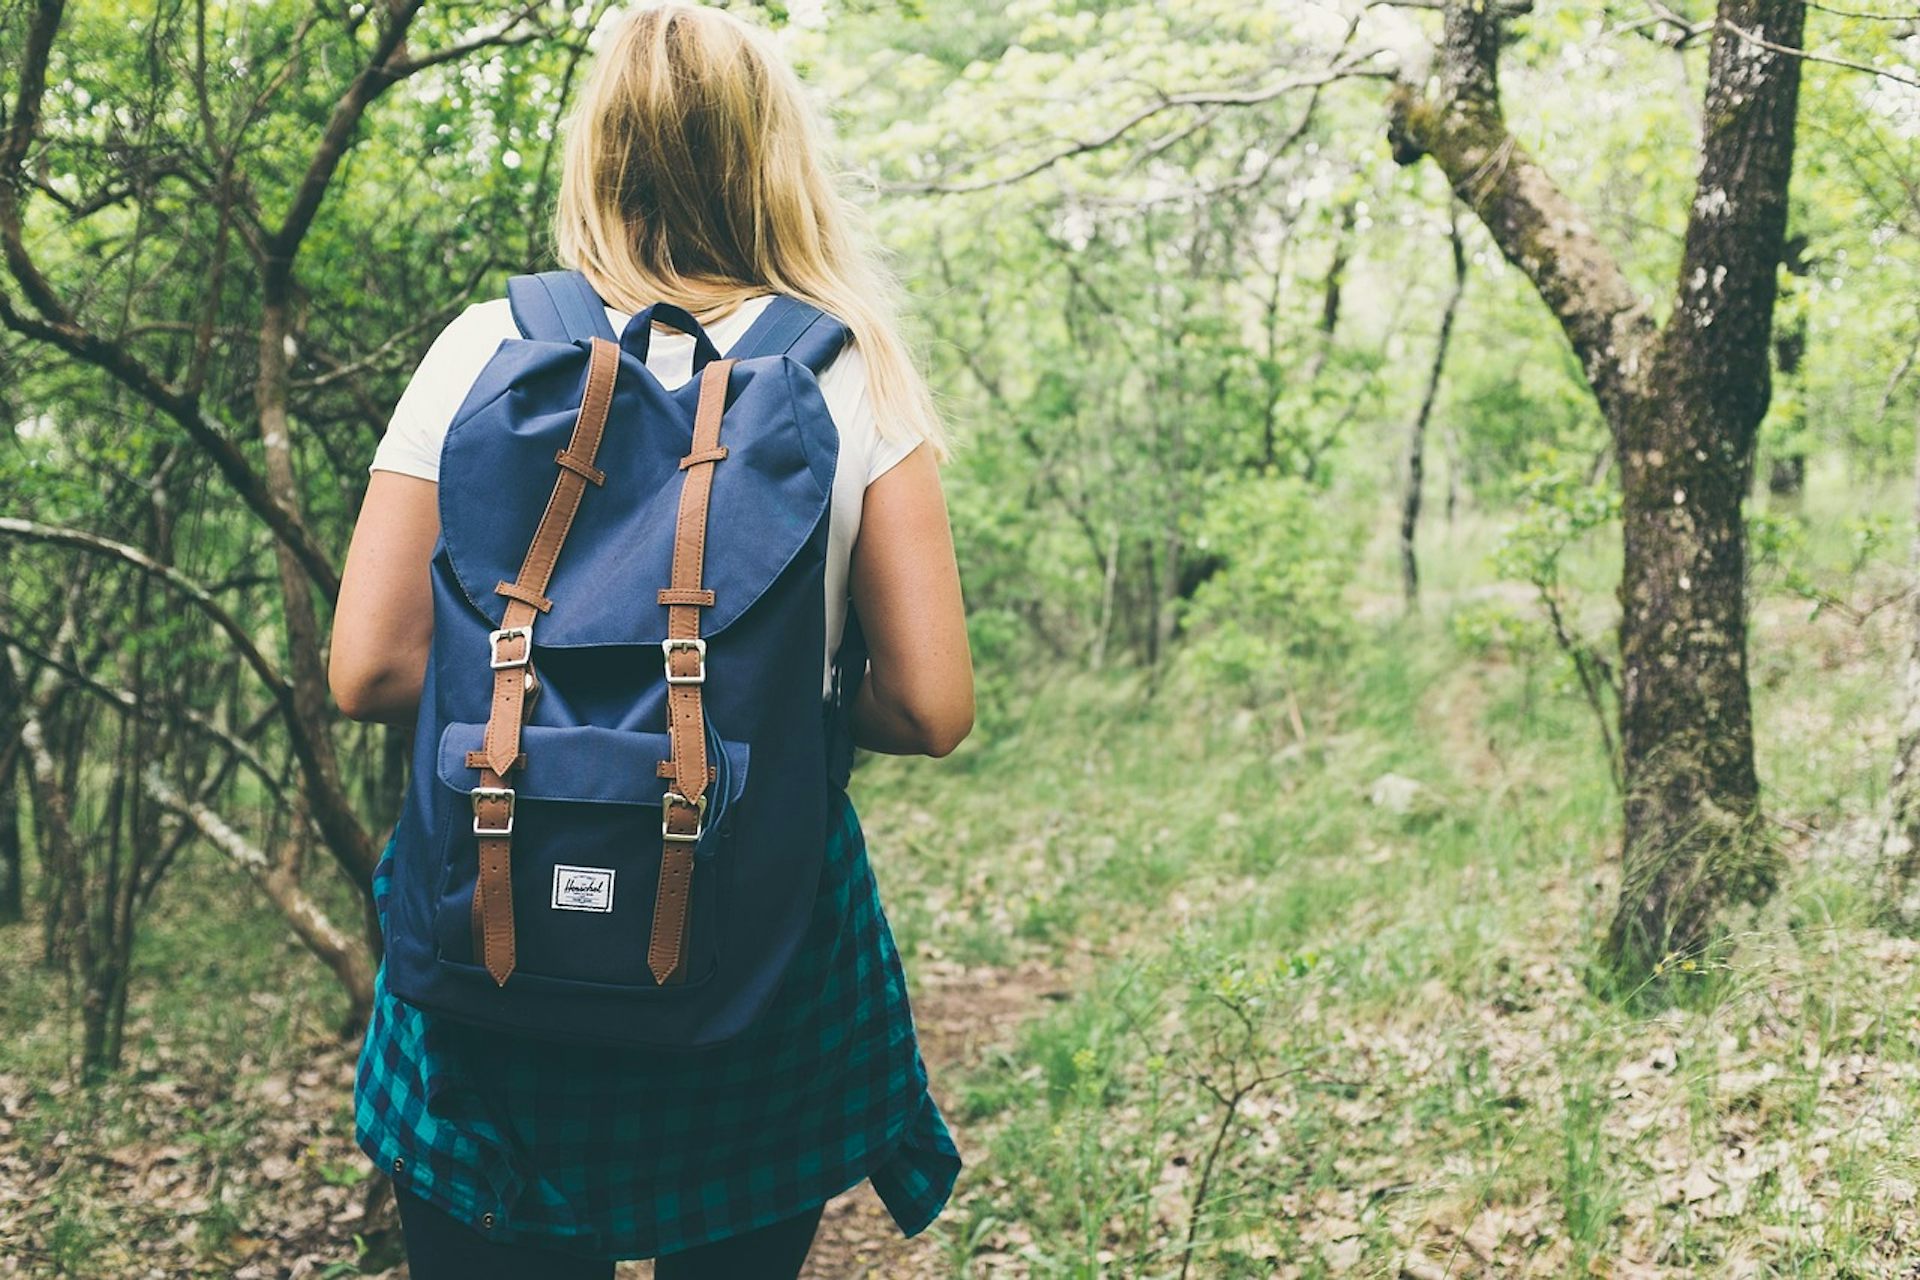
{"x": 917, "y": 698}
{"x": 383, "y": 623}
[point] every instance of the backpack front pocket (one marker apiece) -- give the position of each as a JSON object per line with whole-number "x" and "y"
{"x": 585, "y": 854}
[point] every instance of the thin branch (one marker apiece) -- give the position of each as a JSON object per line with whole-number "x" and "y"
{"x": 1688, "y": 29}
{"x": 236, "y": 631}
{"x": 1347, "y": 69}
{"x": 1838, "y": 12}
{"x": 376, "y": 77}
{"x": 338, "y": 370}
{"x": 58, "y": 330}
{"x": 339, "y": 952}
{"x": 501, "y": 37}
{"x": 125, "y": 702}
{"x": 1808, "y": 55}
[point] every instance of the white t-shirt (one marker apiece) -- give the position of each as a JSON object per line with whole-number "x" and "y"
{"x": 446, "y": 373}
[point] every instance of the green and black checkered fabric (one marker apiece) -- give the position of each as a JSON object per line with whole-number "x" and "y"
{"x": 627, "y": 1153}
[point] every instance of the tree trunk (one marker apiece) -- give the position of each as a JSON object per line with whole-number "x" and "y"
{"x": 1787, "y": 476}
{"x": 1684, "y": 404}
{"x": 1417, "y": 434}
{"x": 1900, "y": 844}
{"x": 1692, "y": 834}
{"x": 1693, "y": 829}
{"x": 60, "y": 850}
{"x": 12, "y": 849}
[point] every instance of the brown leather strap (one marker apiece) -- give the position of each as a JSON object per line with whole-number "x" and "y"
{"x": 581, "y": 465}
{"x": 511, "y": 655}
{"x": 513, "y": 591}
{"x": 700, "y": 456}
{"x": 665, "y": 770}
{"x": 683, "y": 810}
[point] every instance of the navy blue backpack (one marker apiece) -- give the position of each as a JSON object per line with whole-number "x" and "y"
{"x": 623, "y": 759}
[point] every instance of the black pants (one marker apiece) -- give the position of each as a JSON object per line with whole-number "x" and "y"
{"x": 441, "y": 1247}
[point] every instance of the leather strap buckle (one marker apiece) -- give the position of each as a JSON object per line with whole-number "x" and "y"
{"x": 480, "y": 796}
{"x": 523, "y": 634}
{"x": 699, "y": 806}
{"x": 694, "y": 643}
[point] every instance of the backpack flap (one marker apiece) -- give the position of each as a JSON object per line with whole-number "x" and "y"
{"x": 496, "y": 473}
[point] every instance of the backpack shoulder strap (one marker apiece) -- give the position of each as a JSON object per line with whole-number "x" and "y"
{"x": 558, "y": 306}
{"x": 789, "y": 326}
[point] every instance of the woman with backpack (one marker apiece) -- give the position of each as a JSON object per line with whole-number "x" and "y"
{"x": 706, "y": 442}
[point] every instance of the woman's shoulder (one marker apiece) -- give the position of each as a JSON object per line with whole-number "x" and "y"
{"x": 488, "y": 320}
{"x": 844, "y": 385}
{"x": 466, "y": 342}
{"x": 440, "y": 382}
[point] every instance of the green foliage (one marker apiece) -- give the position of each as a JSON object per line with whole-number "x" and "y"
{"x": 1827, "y": 564}
{"x": 1274, "y": 616}
{"x": 1183, "y": 363}
{"x": 1561, "y": 506}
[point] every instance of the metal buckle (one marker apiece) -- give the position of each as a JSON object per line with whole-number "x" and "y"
{"x": 494, "y": 638}
{"x": 694, "y": 643}
{"x": 699, "y": 806}
{"x": 481, "y": 794}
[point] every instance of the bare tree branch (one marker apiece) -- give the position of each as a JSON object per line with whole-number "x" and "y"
{"x": 235, "y": 630}
{"x": 202, "y": 428}
{"x": 1353, "y": 67}
{"x": 125, "y": 702}
{"x": 503, "y": 36}
{"x": 337, "y": 950}
{"x": 1537, "y": 227}
{"x": 346, "y": 838}
{"x": 380, "y": 73}
{"x": 1807, "y": 55}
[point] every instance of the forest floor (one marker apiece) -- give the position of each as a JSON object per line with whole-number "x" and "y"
{"x": 1206, "y": 989}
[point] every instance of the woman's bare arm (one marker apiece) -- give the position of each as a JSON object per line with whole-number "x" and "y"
{"x": 917, "y": 698}
{"x": 384, "y": 622}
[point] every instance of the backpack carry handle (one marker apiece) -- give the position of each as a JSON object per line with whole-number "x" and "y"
{"x": 638, "y": 334}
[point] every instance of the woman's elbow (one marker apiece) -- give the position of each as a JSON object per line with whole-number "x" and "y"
{"x": 941, "y": 740}
{"x": 942, "y": 729}
{"x": 365, "y": 691}
{"x": 919, "y": 719}
{"x": 353, "y": 693}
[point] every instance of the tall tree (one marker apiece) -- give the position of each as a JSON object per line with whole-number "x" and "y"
{"x": 1416, "y": 467}
{"x": 1683, "y": 401}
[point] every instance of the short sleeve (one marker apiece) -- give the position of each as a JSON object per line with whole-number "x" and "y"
{"x": 418, "y": 427}
{"x": 887, "y": 454}
{"x": 843, "y": 383}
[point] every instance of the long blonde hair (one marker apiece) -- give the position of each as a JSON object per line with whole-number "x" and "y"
{"x": 692, "y": 175}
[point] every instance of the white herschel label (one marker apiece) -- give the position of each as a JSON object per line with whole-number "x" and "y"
{"x": 582, "y": 888}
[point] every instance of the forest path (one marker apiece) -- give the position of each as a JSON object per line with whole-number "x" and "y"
{"x": 962, "y": 1015}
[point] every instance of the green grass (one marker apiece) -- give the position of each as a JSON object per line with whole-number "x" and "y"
{"x": 1451, "y": 1088}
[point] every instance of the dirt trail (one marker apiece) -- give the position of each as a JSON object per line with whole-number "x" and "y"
{"x": 961, "y": 1014}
